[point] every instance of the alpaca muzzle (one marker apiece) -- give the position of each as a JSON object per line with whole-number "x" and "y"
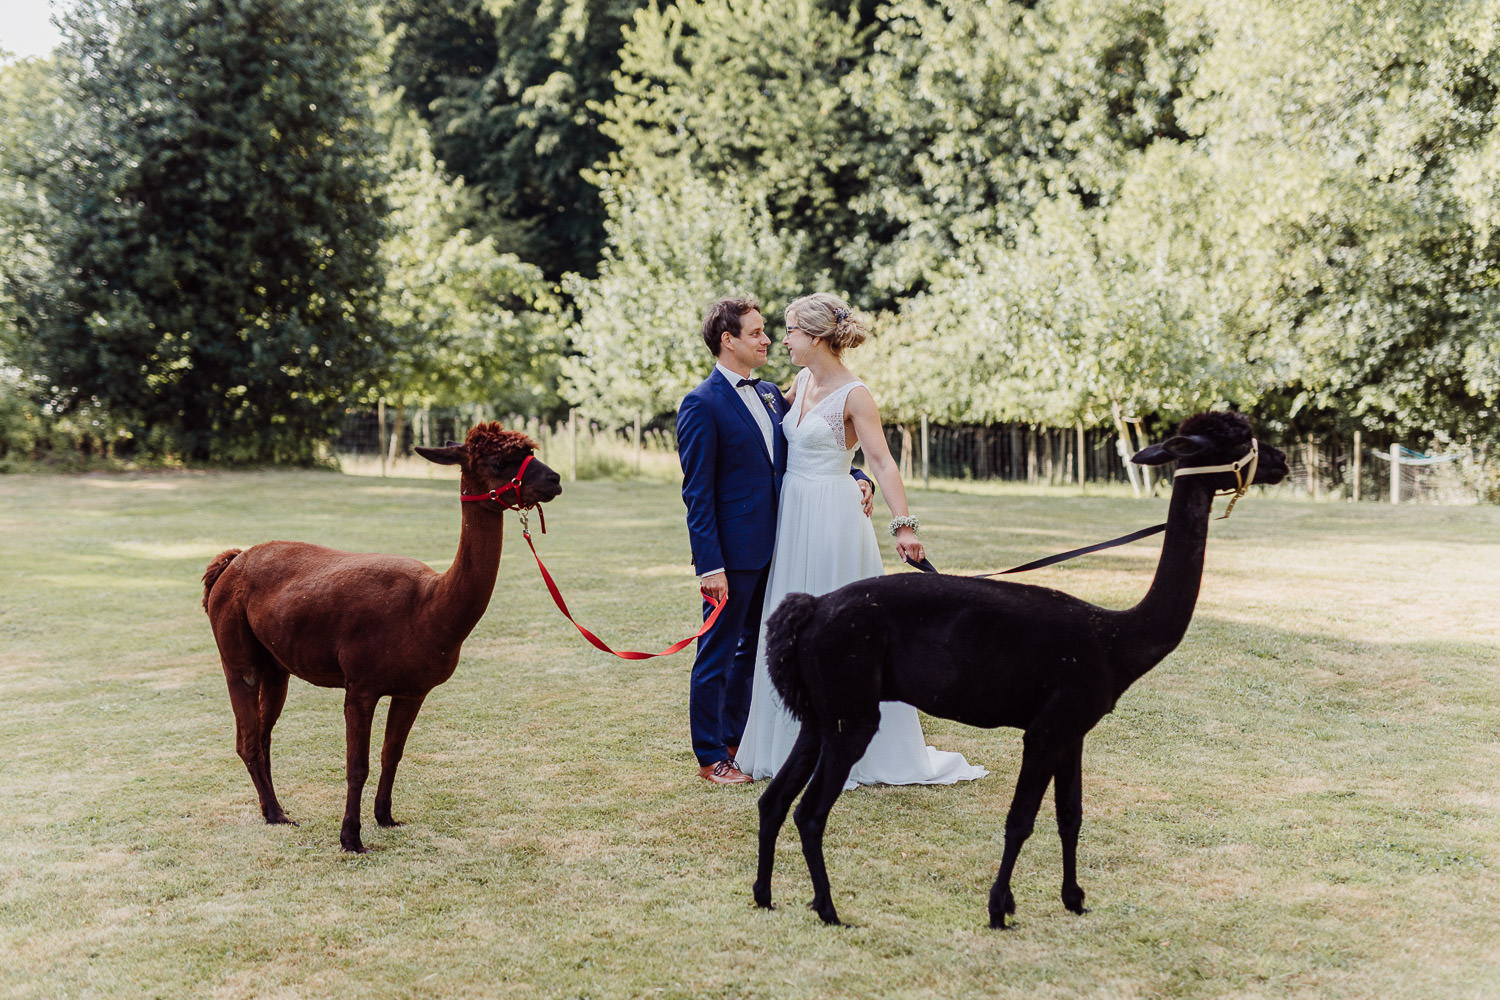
{"x": 498, "y": 494}
{"x": 1250, "y": 459}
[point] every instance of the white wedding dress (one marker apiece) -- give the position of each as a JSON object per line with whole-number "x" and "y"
{"x": 823, "y": 541}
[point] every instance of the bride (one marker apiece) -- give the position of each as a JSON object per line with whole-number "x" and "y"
{"x": 824, "y": 541}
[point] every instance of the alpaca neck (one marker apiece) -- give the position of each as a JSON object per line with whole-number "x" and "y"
{"x": 1154, "y": 627}
{"x": 465, "y": 589}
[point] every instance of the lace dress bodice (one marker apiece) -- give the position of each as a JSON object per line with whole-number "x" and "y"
{"x": 816, "y": 446}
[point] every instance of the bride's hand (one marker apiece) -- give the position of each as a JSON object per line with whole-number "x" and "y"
{"x": 907, "y": 545}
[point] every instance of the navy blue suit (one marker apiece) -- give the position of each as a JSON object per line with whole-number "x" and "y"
{"x": 729, "y": 484}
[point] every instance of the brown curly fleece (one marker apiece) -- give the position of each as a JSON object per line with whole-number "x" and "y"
{"x": 492, "y": 439}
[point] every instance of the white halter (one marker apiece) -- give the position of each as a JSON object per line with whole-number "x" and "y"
{"x": 1241, "y": 482}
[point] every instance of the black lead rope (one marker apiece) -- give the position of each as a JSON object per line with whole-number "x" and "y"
{"x": 1242, "y": 483}
{"x": 927, "y": 567}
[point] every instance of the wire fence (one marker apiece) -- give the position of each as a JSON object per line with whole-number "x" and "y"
{"x": 1357, "y": 468}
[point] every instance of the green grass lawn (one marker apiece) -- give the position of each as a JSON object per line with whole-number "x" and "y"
{"x": 1300, "y": 802}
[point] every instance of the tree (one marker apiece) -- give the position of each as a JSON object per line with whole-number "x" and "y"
{"x": 469, "y": 324}
{"x": 1366, "y": 135}
{"x": 748, "y": 95}
{"x": 215, "y": 272}
{"x": 32, "y": 116}
{"x": 1085, "y": 312}
{"x": 977, "y": 113}
{"x": 637, "y": 348}
{"x": 510, "y": 91}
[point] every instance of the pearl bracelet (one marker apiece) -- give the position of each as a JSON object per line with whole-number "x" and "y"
{"x": 904, "y": 521}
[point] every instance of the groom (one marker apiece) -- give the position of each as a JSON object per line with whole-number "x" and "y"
{"x": 733, "y": 456}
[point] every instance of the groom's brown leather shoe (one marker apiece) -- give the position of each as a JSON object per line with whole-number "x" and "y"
{"x": 725, "y": 772}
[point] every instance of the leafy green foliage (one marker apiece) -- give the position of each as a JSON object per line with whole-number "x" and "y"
{"x": 747, "y": 95}
{"x": 215, "y": 256}
{"x": 1055, "y": 209}
{"x": 637, "y": 344}
{"x": 509, "y": 90}
{"x": 977, "y": 113}
{"x": 1377, "y": 187}
{"x": 469, "y": 323}
{"x": 32, "y": 115}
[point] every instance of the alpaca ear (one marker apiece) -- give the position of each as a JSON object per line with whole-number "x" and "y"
{"x": 450, "y": 454}
{"x": 1151, "y": 455}
{"x": 1173, "y": 448}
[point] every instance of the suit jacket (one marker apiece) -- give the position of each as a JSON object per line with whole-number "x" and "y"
{"x": 729, "y": 482}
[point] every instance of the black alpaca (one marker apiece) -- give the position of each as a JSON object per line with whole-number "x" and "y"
{"x": 990, "y": 654}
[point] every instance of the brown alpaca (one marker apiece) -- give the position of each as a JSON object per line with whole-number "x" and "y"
{"x": 374, "y": 625}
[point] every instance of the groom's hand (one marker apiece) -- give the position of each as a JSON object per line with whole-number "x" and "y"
{"x": 715, "y": 585}
{"x": 866, "y": 496}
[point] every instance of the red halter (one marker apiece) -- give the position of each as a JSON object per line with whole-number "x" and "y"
{"x": 513, "y": 486}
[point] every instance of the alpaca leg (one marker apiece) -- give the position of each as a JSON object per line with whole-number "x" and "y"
{"x": 359, "y": 712}
{"x": 776, "y": 801}
{"x": 248, "y": 744}
{"x": 839, "y": 754}
{"x": 273, "y": 684}
{"x": 398, "y": 720}
{"x": 1036, "y": 772}
{"x": 243, "y": 678}
{"x": 1068, "y": 794}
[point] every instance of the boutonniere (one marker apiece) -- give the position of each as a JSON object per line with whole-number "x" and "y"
{"x": 768, "y": 396}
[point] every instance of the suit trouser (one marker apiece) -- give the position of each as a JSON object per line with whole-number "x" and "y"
{"x": 719, "y": 696}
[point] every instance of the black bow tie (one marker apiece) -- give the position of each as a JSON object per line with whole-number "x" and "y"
{"x": 747, "y": 381}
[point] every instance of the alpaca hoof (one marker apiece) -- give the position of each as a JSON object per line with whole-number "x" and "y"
{"x": 826, "y": 913}
{"x": 388, "y": 822}
{"x": 997, "y": 922}
{"x": 763, "y": 898}
{"x": 1073, "y": 899}
{"x": 275, "y": 815}
{"x": 354, "y": 848}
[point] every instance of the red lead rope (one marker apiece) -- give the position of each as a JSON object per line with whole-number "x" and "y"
{"x": 599, "y": 643}
{"x": 515, "y": 485}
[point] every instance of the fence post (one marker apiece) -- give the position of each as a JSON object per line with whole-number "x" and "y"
{"x": 573, "y": 445}
{"x": 1395, "y": 473}
{"x": 637, "y": 440}
{"x": 1122, "y": 445}
{"x": 1082, "y": 454}
{"x": 398, "y": 431}
{"x": 380, "y": 433}
{"x": 926, "y": 454}
{"x": 1357, "y": 457}
{"x": 1312, "y": 468}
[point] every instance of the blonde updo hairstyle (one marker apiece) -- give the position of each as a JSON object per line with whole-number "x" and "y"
{"x": 829, "y": 319}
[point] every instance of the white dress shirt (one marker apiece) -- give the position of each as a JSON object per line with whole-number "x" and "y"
{"x": 756, "y": 407}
